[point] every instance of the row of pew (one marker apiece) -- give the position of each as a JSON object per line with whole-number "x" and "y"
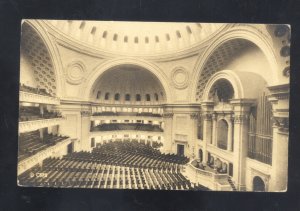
{"x": 31, "y": 143}
{"x": 127, "y": 126}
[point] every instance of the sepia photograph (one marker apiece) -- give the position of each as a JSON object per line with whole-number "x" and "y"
{"x": 154, "y": 105}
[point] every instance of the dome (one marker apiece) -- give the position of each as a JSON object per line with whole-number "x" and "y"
{"x": 136, "y": 37}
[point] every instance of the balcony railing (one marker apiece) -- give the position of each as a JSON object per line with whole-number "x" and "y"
{"x": 36, "y": 98}
{"x": 27, "y": 126}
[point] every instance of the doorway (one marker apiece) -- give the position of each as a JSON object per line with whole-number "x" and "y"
{"x": 180, "y": 149}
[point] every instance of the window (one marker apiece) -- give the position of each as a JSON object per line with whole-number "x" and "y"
{"x": 127, "y": 97}
{"x": 117, "y": 96}
{"x": 156, "y": 39}
{"x": 138, "y": 97}
{"x": 178, "y": 34}
{"x": 146, "y": 39}
{"x": 98, "y": 94}
{"x": 136, "y": 40}
{"x": 115, "y": 37}
{"x": 189, "y": 29}
{"x": 93, "y": 30}
{"x": 168, "y": 37}
{"x": 147, "y": 97}
{"x": 106, "y": 96}
{"x": 126, "y": 39}
{"x": 104, "y": 34}
{"x": 156, "y": 96}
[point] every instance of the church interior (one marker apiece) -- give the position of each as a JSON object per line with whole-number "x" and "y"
{"x": 154, "y": 105}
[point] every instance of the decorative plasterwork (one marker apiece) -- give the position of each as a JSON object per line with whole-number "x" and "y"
{"x": 194, "y": 115}
{"x": 37, "y": 124}
{"x": 240, "y": 119}
{"x": 282, "y": 123}
{"x": 264, "y": 177}
{"x": 180, "y": 78}
{"x": 168, "y": 115}
{"x": 75, "y": 72}
{"x": 86, "y": 113}
{"x": 35, "y": 51}
{"x": 40, "y": 156}
{"x": 35, "y": 98}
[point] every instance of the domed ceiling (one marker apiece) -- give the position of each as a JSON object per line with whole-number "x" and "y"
{"x": 128, "y": 79}
{"x": 136, "y": 37}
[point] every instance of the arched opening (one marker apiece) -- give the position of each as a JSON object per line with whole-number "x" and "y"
{"x": 222, "y": 91}
{"x": 130, "y": 81}
{"x": 156, "y": 96}
{"x": 148, "y": 97}
{"x": 138, "y": 97}
{"x": 98, "y": 95}
{"x": 106, "y": 96}
{"x": 222, "y": 134}
{"x": 117, "y": 96}
{"x": 237, "y": 55}
{"x": 258, "y": 184}
{"x": 127, "y": 97}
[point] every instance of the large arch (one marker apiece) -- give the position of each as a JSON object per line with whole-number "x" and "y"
{"x": 38, "y": 27}
{"x": 93, "y": 77}
{"x": 250, "y": 34}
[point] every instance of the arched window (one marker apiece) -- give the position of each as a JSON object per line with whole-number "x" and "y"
{"x": 147, "y": 97}
{"x": 222, "y": 134}
{"x": 138, "y": 97}
{"x": 156, "y": 96}
{"x": 106, "y": 96}
{"x": 117, "y": 96}
{"x": 258, "y": 184}
{"x": 98, "y": 94}
{"x": 127, "y": 97}
{"x": 104, "y": 34}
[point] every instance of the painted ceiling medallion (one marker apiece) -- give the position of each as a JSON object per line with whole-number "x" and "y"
{"x": 75, "y": 72}
{"x": 180, "y": 78}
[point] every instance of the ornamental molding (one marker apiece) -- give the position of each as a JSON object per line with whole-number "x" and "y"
{"x": 38, "y": 157}
{"x": 168, "y": 115}
{"x": 180, "y": 78}
{"x": 75, "y": 72}
{"x": 282, "y": 123}
{"x": 36, "y": 98}
{"x": 86, "y": 113}
{"x": 194, "y": 115}
{"x": 240, "y": 119}
{"x": 207, "y": 116}
{"x": 28, "y": 126}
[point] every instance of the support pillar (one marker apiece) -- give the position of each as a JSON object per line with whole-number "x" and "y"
{"x": 214, "y": 129}
{"x": 230, "y": 135}
{"x": 241, "y": 123}
{"x": 207, "y": 108}
{"x": 279, "y": 99}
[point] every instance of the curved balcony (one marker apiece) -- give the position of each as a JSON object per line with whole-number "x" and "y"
{"x": 38, "y": 98}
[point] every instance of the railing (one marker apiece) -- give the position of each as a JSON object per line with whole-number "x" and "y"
{"x": 27, "y": 126}
{"x": 56, "y": 150}
{"x": 211, "y": 180}
{"x": 36, "y": 98}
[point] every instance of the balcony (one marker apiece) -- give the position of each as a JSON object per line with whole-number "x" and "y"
{"x": 36, "y": 98}
{"x": 56, "y": 150}
{"x": 27, "y": 126}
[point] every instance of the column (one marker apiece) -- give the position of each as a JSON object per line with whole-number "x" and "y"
{"x": 214, "y": 129}
{"x": 230, "y": 134}
{"x": 206, "y": 108}
{"x": 168, "y": 131}
{"x": 85, "y": 130}
{"x": 241, "y": 109}
{"x": 193, "y": 134}
{"x": 279, "y": 99}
